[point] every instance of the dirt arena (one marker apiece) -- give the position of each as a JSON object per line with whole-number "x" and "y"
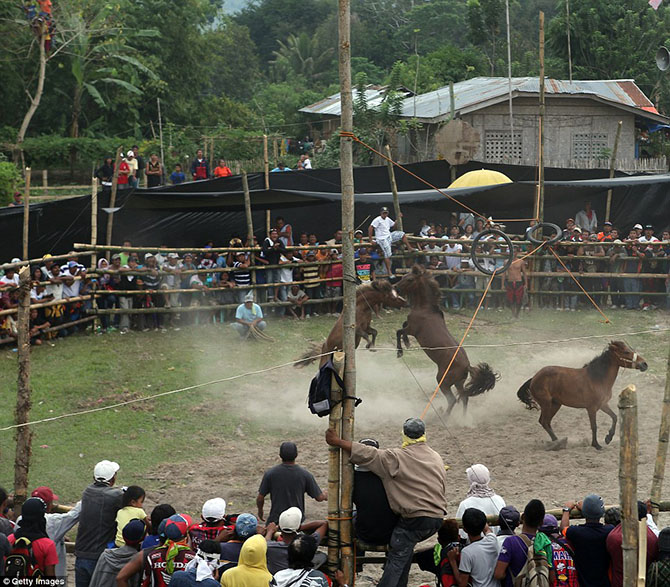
{"x": 497, "y": 430}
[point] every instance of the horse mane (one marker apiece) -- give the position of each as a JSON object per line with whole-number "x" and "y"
{"x": 426, "y": 284}
{"x": 597, "y": 367}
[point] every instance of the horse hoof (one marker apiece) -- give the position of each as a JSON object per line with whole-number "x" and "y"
{"x": 597, "y": 446}
{"x": 399, "y": 355}
{"x": 608, "y": 438}
{"x": 372, "y": 349}
{"x": 558, "y": 444}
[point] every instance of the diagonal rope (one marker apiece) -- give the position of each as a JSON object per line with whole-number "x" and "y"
{"x": 607, "y": 320}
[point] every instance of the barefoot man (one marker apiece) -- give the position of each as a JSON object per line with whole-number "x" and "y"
{"x": 515, "y": 281}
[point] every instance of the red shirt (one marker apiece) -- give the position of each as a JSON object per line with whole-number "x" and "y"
{"x": 123, "y": 179}
{"x": 614, "y": 541}
{"x": 334, "y": 271}
{"x": 44, "y": 551}
{"x": 222, "y": 171}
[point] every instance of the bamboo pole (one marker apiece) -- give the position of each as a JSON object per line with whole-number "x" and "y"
{"x": 45, "y": 182}
{"x": 46, "y": 304}
{"x": 5, "y": 266}
{"x": 334, "y": 453}
{"x": 23, "y": 401}
{"x": 628, "y": 455}
{"x": 26, "y": 214}
{"x": 349, "y": 293}
{"x": 250, "y": 223}
{"x": 662, "y": 450}
{"x": 642, "y": 553}
{"x": 266, "y": 162}
{"x": 540, "y": 191}
{"x": 394, "y": 188}
{"x": 112, "y": 199}
{"x": 94, "y": 219}
{"x": 612, "y": 167}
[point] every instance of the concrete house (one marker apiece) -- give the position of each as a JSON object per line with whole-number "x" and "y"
{"x": 581, "y": 121}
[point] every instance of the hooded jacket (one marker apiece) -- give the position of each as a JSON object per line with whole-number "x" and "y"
{"x": 414, "y": 477}
{"x": 252, "y": 569}
{"x": 111, "y": 561}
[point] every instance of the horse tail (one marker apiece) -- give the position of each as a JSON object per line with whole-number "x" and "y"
{"x": 482, "y": 379}
{"x": 525, "y": 396}
{"x": 309, "y": 356}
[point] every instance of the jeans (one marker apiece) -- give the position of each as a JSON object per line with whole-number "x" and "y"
{"x": 125, "y": 303}
{"x": 242, "y": 330}
{"x": 407, "y": 533}
{"x": 631, "y": 285}
{"x": 83, "y": 571}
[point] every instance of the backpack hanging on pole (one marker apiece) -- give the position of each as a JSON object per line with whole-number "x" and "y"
{"x": 319, "y": 399}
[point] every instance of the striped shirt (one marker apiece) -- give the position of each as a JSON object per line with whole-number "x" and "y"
{"x": 242, "y": 278}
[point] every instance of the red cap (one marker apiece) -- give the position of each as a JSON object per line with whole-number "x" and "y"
{"x": 45, "y": 494}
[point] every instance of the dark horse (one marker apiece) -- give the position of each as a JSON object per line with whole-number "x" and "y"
{"x": 369, "y": 298}
{"x": 589, "y": 387}
{"x": 425, "y": 322}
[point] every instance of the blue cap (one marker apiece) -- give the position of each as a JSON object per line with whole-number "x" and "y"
{"x": 246, "y": 525}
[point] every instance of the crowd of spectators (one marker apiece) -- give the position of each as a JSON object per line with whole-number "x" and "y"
{"x": 400, "y": 499}
{"x": 308, "y": 279}
{"x": 134, "y": 169}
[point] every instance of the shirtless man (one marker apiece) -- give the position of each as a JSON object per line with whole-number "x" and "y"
{"x": 515, "y": 281}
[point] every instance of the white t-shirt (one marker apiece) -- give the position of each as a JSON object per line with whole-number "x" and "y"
{"x": 55, "y": 290}
{"x": 491, "y": 506}
{"x": 644, "y": 239}
{"x": 382, "y": 226}
{"x": 479, "y": 559}
{"x": 13, "y": 281}
{"x": 453, "y": 262}
{"x": 285, "y": 275}
{"x": 307, "y": 164}
{"x": 72, "y": 291}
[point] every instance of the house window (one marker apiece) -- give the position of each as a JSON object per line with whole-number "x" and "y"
{"x": 589, "y": 146}
{"x": 498, "y": 147}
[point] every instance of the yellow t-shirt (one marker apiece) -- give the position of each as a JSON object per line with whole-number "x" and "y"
{"x": 123, "y": 516}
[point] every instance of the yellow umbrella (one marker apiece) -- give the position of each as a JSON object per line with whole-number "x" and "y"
{"x": 481, "y": 177}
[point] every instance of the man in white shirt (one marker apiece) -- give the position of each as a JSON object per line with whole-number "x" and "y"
{"x": 648, "y": 236}
{"x": 380, "y": 231}
{"x": 479, "y": 558}
{"x": 586, "y": 219}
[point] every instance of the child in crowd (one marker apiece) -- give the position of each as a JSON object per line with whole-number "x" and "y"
{"x": 131, "y": 509}
{"x": 177, "y": 176}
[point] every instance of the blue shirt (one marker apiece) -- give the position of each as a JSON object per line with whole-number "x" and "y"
{"x": 187, "y": 579}
{"x": 277, "y": 169}
{"x": 248, "y": 314}
{"x": 177, "y": 177}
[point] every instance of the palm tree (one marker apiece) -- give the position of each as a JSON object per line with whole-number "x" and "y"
{"x": 301, "y": 55}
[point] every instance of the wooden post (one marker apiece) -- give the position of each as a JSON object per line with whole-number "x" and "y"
{"x": 212, "y": 158}
{"x": 266, "y": 162}
{"x": 160, "y": 131}
{"x": 567, "y": 26}
{"x": 509, "y": 84}
{"x": 23, "y": 401}
{"x": 612, "y": 167}
{"x": 334, "y": 423}
{"x": 394, "y": 189}
{"x": 26, "y": 214}
{"x": 662, "y": 450}
{"x": 540, "y": 189}
{"x": 94, "y": 219}
{"x": 112, "y": 199}
{"x": 45, "y": 182}
{"x": 628, "y": 454}
{"x": 349, "y": 294}
{"x": 642, "y": 554}
{"x": 250, "y": 224}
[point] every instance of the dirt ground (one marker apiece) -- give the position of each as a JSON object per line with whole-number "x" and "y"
{"x": 497, "y": 430}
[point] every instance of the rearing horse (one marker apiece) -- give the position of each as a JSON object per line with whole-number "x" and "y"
{"x": 589, "y": 387}
{"x": 425, "y": 322}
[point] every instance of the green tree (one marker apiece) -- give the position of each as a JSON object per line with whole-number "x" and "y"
{"x": 486, "y": 23}
{"x": 301, "y": 56}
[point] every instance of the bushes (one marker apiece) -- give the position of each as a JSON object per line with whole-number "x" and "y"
{"x": 9, "y": 180}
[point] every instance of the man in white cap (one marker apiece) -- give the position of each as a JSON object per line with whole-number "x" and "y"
{"x": 213, "y": 522}
{"x": 97, "y": 521}
{"x": 133, "y": 166}
{"x": 290, "y": 525}
{"x": 247, "y": 315}
{"x": 380, "y": 230}
{"x": 415, "y": 482}
{"x": 480, "y": 495}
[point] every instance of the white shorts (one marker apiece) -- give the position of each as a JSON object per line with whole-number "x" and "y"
{"x": 386, "y": 242}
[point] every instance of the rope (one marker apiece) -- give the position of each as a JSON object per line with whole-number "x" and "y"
{"x": 607, "y": 320}
{"x": 352, "y": 136}
{"x": 154, "y": 396}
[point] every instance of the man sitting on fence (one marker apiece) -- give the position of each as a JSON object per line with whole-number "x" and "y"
{"x": 248, "y": 317}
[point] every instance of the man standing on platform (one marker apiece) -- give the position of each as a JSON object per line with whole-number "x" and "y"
{"x": 380, "y": 230}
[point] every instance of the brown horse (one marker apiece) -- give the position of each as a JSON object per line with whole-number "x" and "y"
{"x": 589, "y": 387}
{"x": 369, "y": 298}
{"x": 425, "y": 322}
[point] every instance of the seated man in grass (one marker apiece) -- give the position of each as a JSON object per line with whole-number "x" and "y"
{"x": 248, "y": 315}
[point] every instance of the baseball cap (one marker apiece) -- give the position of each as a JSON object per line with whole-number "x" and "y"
{"x": 384, "y": 209}
{"x": 577, "y": 229}
{"x": 249, "y": 297}
{"x": 246, "y": 525}
{"x": 648, "y": 227}
{"x": 130, "y": 154}
{"x": 549, "y": 523}
{"x": 214, "y": 509}
{"x": 664, "y": 540}
{"x": 173, "y": 256}
{"x": 72, "y": 263}
{"x": 358, "y": 231}
{"x": 607, "y": 223}
{"x": 414, "y": 428}
{"x": 105, "y": 470}
{"x": 147, "y": 255}
{"x": 638, "y": 226}
{"x": 16, "y": 260}
{"x": 177, "y": 526}
{"x": 510, "y": 515}
{"x": 47, "y": 256}
{"x": 133, "y": 532}
{"x": 290, "y": 520}
{"x": 593, "y": 507}
{"x": 45, "y": 494}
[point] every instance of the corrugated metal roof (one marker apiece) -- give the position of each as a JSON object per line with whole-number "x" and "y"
{"x": 479, "y": 92}
{"x": 331, "y": 105}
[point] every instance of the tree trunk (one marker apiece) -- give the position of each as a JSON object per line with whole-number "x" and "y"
{"x": 74, "y": 125}
{"x": 34, "y": 103}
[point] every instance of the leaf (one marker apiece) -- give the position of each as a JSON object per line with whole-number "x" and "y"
{"x": 124, "y": 84}
{"x": 138, "y": 64}
{"x": 93, "y": 92}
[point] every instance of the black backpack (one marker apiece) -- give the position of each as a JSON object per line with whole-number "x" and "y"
{"x": 20, "y": 562}
{"x": 319, "y": 398}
